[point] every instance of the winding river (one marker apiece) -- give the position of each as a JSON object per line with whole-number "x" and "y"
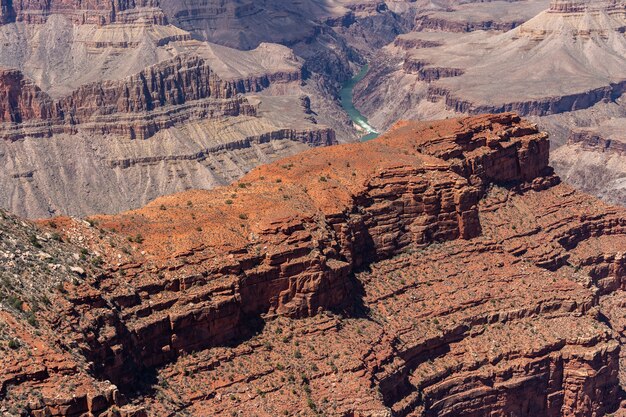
{"x": 360, "y": 121}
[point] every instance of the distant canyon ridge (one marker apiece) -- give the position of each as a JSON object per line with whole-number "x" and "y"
{"x": 108, "y": 105}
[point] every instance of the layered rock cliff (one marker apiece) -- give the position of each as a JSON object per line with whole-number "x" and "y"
{"x": 545, "y": 66}
{"x": 487, "y": 72}
{"x": 21, "y": 99}
{"x": 90, "y": 12}
{"x": 593, "y": 158}
{"x": 438, "y": 270}
{"x": 77, "y": 98}
{"x": 137, "y": 106}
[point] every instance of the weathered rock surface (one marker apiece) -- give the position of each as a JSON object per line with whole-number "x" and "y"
{"x": 141, "y": 106}
{"x": 546, "y": 67}
{"x": 96, "y": 11}
{"x": 137, "y": 106}
{"x": 463, "y": 280}
{"x": 593, "y": 160}
{"x": 468, "y": 17}
{"x": 487, "y": 71}
{"x": 123, "y": 70}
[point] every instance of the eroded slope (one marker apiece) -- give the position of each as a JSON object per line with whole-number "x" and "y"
{"x": 439, "y": 270}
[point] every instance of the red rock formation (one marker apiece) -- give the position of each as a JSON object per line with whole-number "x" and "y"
{"x": 168, "y": 93}
{"x": 448, "y": 247}
{"x": 348, "y": 224}
{"x": 79, "y": 12}
{"x": 20, "y": 99}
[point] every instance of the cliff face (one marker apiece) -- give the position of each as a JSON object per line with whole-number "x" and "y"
{"x": 79, "y": 12}
{"x": 81, "y": 101}
{"x": 596, "y": 141}
{"x": 443, "y": 73}
{"x": 425, "y": 23}
{"x": 593, "y": 158}
{"x": 464, "y": 281}
{"x": 292, "y": 262}
{"x": 538, "y": 107}
{"x": 21, "y": 100}
{"x": 135, "y": 106}
{"x": 444, "y": 67}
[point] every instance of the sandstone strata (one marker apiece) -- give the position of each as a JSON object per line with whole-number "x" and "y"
{"x": 593, "y": 158}
{"x": 137, "y": 106}
{"x": 487, "y": 71}
{"x": 141, "y": 105}
{"x": 438, "y": 270}
{"x": 544, "y": 66}
{"x": 96, "y": 12}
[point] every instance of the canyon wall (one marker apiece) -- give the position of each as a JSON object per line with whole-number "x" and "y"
{"x": 90, "y": 12}
{"x": 137, "y": 106}
{"x": 449, "y": 296}
{"x": 539, "y": 107}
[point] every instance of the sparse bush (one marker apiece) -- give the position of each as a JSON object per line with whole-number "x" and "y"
{"x": 15, "y": 302}
{"x": 34, "y": 241}
{"x": 14, "y": 344}
{"x": 32, "y": 320}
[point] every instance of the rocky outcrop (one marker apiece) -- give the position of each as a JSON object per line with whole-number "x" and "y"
{"x": 539, "y": 107}
{"x": 594, "y": 141}
{"x": 20, "y": 99}
{"x": 92, "y": 12}
{"x": 318, "y": 137}
{"x": 301, "y": 263}
{"x": 139, "y": 106}
{"x": 440, "y": 269}
{"x": 426, "y": 22}
{"x": 426, "y": 72}
{"x": 171, "y": 83}
{"x": 577, "y": 6}
{"x": 592, "y": 159}
{"x": 407, "y": 43}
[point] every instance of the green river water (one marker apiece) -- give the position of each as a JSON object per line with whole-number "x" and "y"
{"x": 347, "y": 103}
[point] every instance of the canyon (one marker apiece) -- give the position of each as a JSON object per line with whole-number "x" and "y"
{"x": 345, "y": 208}
{"x": 456, "y": 276}
{"x": 95, "y": 94}
{"x": 165, "y": 96}
{"x": 560, "y": 63}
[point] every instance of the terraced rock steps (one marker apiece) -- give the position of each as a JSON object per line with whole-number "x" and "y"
{"x": 438, "y": 270}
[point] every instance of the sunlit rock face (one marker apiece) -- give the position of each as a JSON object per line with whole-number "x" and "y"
{"x": 454, "y": 276}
